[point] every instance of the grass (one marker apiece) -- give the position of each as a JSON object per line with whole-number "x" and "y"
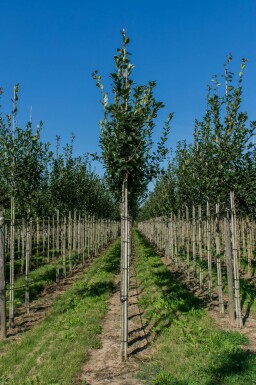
{"x": 53, "y": 352}
{"x": 189, "y": 349}
{"x": 39, "y": 278}
{"x": 247, "y": 288}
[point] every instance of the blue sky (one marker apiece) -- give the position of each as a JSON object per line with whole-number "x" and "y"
{"x": 52, "y": 47}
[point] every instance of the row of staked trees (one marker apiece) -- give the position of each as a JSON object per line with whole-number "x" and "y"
{"x": 40, "y": 181}
{"x": 216, "y": 174}
{"x": 221, "y": 159}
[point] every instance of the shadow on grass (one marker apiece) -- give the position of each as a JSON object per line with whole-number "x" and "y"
{"x": 38, "y": 280}
{"x": 232, "y": 366}
{"x": 163, "y": 296}
{"x": 98, "y": 282}
{"x": 235, "y": 368}
{"x": 166, "y": 300}
{"x": 248, "y": 295}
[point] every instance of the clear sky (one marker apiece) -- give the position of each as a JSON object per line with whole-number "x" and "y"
{"x": 51, "y": 47}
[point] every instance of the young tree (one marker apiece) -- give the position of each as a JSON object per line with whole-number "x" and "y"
{"x": 127, "y": 151}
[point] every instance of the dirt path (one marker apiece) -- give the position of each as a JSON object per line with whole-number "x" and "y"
{"x": 104, "y": 365}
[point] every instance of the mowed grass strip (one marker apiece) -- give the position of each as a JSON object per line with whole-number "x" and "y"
{"x": 53, "y": 352}
{"x": 189, "y": 349}
{"x": 39, "y": 279}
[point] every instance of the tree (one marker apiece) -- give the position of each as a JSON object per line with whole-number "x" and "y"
{"x": 127, "y": 151}
{"x": 24, "y": 160}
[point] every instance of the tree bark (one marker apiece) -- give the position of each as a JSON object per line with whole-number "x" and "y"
{"x": 239, "y": 321}
{"x": 12, "y": 235}
{"x": 229, "y": 264}
{"x": 124, "y": 273}
{"x": 2, "y": 277}
{"x": 218, "y": 261}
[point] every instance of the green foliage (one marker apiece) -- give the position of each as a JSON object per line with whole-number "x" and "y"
{"x": 41, "y": 182}
{"x": 73, "y": 185}
{"x": 126, "y": 130}
{"x": 24, "y": 159}
{"x": 162, "y": 201}
{"x": 221, "y": 159}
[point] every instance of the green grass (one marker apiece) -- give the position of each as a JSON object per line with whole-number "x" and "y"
{"x": 247, "y": 288}
{"x": 54, "y": 350}
{"x": 39, "y": 278}
{"x": 189, "y": 349}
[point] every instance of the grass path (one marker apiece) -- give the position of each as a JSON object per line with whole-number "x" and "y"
{"x": 189, "y": 348}
{"x": 53, "y": 352}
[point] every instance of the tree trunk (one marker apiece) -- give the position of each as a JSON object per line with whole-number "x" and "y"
{"x": 2, "y": 277}
{"x": 209, "y": 256}
{"x": 28, "y": 254}
{"x": 239, "y": 321}
{"x": 69, "y": 241}
{"x": 124, "y": 273}
{"x": 218, "y": 261}
{"x": 58, "y": 248}
{"x": 187, "y": 236}
{"x": 201, "y": 271}
{"x": 194, "y": 239}
{"x": 12, "y": 234}
{"x": 229, "y": 264}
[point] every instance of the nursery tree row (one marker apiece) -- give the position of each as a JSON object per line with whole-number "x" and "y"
{"x": 217, "y": 249}
{"x": 34, "y": 253}
{"x": 221, "y": 159}
{"x": 38, "y": 181}
{"x": 207, "y": 196}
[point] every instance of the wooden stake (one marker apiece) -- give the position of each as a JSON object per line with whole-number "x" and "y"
{"x": 2, "y": 277}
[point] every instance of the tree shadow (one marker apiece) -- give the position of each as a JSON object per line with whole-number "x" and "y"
{"x": 164, "y": 296}
{"x": 231, "y": 366}
{"x": 248, "y": 295}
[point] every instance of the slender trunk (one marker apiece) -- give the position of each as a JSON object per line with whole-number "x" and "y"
{"x": 209, "y": 257}
{"x": 58, "y": 247}
{"x": 37, "y": 241}
{"x": 48, "y": 240}
{"x": 194, "y": 239}
{"x": 69, "y": 241}
{"x": 64, "y": 247}
{"x": 23, "y": 252}
{"x": 187, "y": 231}
{"x": 12, "y": 234}
{"x": 124, "y": 275}
{"x": 218, "y": 260}
{"x": 53, "y": 237}
{"x": 27, "y": 263}
{"x": 171, "y": 239}
{"x": 229, "y": 264}
{"x": 201, "y": 271}
{"x": 2, "y": 277}
{"x": 43, "y": 234}
{"x": 239, "y": 321}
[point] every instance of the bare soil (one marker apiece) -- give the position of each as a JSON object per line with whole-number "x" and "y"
{"x": 105, "y": 365}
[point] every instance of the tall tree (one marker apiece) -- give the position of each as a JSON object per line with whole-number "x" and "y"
{"x": 127, "y": 151}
